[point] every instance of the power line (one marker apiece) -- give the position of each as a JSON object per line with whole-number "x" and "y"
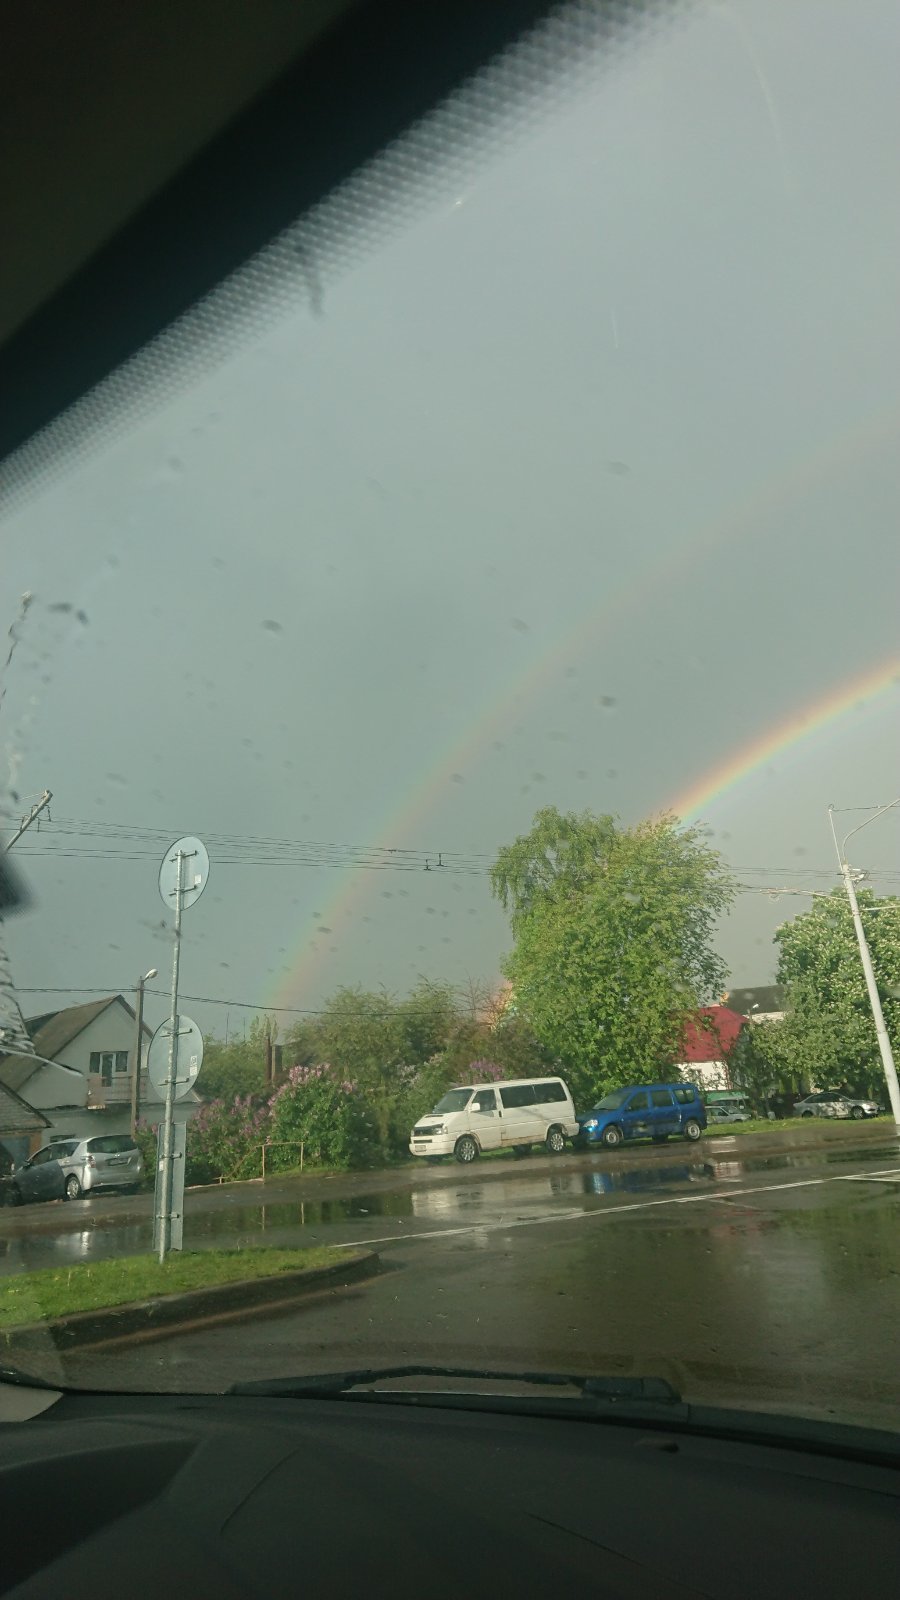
{"x": 236, "y": 1005}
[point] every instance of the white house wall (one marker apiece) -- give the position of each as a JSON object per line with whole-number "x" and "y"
{"x": 706, "y": 1074}
{"x": 53, "y": 1086}
{"x": 112, "y": 1030}
{"x": 76, "y": 1124}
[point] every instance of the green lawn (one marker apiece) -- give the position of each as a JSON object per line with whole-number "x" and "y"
{"x": 764, "y": 1125}
{"x": 59, "y": 1291}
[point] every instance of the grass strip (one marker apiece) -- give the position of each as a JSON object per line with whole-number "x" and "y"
{"x": 27, "y": 1297}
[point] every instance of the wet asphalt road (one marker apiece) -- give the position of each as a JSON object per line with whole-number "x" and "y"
{"x": 743, "y": 1273}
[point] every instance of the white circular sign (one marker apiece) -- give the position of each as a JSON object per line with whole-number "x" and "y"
{"x": 194, "y": 871}
{"x": 188, "y": 1056}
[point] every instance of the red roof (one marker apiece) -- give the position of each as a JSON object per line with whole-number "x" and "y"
{"x": 712, "y": 1035}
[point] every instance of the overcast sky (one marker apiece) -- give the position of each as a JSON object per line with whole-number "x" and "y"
{"x": 564, "y": 496}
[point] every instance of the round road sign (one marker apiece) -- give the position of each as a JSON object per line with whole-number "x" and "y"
{"x": 194, "y": 872}
{"x": 188, "y": 1056}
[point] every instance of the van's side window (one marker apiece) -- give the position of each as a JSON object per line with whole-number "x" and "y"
{"x": 638, "y": 1102}
{"x": 518, "y": 1094}
{"x": 486, "y": 1100}
{"x": 662, "y": 1097}
{"x": 546, "y": 1092}
{"x": 685, "y": 1095}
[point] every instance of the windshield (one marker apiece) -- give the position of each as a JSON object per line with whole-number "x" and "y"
{"x": 612, "y": 1101}
{"x": 462, "y": 633}
{"x": 456, "y": 1100}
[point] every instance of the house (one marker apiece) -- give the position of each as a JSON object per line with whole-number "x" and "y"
{"x": 21, "y": 1128}
{"x": 762, "y": 1004}
{"x": 80, "y": 1076}
{"x": 707, "y": 1046}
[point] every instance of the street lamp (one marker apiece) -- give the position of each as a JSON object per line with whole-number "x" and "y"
{"x": 884, "y": 1043}
{"x": 138, "y": 1048}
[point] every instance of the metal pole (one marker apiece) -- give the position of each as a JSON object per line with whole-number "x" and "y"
{"x": 164, "y": 1221}
{"x": 33, "y": 814}
{"x": 136, "y": 1069}
{"x": 884, "y": 1043}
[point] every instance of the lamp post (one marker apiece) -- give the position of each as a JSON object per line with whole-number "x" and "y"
{"x": 138, "y": 1049}
{"x": 884, "y": 1043}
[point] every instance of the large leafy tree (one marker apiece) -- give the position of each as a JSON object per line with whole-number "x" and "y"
{"x": 828, "y": 1035}
{"x": 613, "y": 931}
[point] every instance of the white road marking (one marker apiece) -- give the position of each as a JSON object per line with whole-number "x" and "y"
{"x": 886, "y": 1175}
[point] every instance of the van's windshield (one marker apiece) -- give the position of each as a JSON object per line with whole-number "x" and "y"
{"x": 454, "y": 1100}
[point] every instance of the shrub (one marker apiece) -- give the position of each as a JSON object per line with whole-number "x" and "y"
{"x": 224, "y": 1140}
{"x": 326, "y": 1114}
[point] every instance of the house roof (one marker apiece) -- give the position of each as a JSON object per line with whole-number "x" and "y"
{"x": 17, "y": 1116}
{"x": 766, "y": 997}
{"x": 51, "y": 1032}
{"x": 712, "y": 1034}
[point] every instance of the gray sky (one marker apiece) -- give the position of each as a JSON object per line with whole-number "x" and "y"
{"x": 579, "y": 486}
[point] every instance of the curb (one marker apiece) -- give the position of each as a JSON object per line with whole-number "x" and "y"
{"x": 168, "y": 1315}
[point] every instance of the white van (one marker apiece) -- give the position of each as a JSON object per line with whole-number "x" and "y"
{"x": 518, "y": 1113}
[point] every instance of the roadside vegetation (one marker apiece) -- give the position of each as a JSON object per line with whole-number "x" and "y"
{"x": 612, "y": 954}
{"x": 28, "y": 1297}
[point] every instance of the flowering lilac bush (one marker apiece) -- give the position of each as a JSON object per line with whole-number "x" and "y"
{"x": 325, "y": 1112}
{"x": 485, "y": 1072}
{"x": 225, "y": 1138}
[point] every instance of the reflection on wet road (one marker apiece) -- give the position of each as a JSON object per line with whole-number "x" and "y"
{"x": 542, "y": 1190}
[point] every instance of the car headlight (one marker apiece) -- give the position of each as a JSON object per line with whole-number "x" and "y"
{"x": 591, "y": 1123}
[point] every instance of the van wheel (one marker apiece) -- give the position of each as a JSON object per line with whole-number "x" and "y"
{"x": 692, "y": 1130}
{"x": 73, "y": 1187}
{"x": 556, "y": 1141}
{"x": 612, "y": 1136}
{"x": 466, "y": 1148}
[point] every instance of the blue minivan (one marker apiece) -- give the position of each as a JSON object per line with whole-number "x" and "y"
{"x": 644, "y": 1111}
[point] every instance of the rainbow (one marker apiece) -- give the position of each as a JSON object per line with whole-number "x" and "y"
{"x": 829, "y": 459}
{"x": 801, "y": 725}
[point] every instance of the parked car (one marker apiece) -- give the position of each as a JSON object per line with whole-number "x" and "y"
{"x": 645, "y": 1111}
{"x": 833, "y": 1103}
{"x": 726, "y": 1111}
{"x": 106, "y": 1161}
{"x": 38, "y": 1178}
{"x": 516, "y": 1114}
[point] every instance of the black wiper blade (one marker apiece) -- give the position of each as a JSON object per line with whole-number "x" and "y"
{"x": 612, "y": 1391}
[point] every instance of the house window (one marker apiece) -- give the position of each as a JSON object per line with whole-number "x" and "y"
{"x": 106, "y": 1062}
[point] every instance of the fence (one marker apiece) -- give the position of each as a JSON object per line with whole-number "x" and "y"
{"x": 275, "y": 1144}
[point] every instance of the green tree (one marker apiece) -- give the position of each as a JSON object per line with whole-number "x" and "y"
{"x": 613, "y": 931}
{"x": 238, "y": 1067}
{"x": 828, "y": 1035}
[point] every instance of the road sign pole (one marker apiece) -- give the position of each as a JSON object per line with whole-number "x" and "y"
{"x": 164, "y": 1218}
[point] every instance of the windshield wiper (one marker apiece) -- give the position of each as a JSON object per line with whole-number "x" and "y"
{"x": 614, "y": 1393}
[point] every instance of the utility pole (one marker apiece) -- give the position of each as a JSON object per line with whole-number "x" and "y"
{"x": 884, "y": 1043}
{"x": 138, "y": 1049}
{"x": 165, "y": 1228}
{"x": 34, "y": 813}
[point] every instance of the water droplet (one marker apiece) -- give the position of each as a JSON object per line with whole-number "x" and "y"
{"x": 271, "y": 626}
